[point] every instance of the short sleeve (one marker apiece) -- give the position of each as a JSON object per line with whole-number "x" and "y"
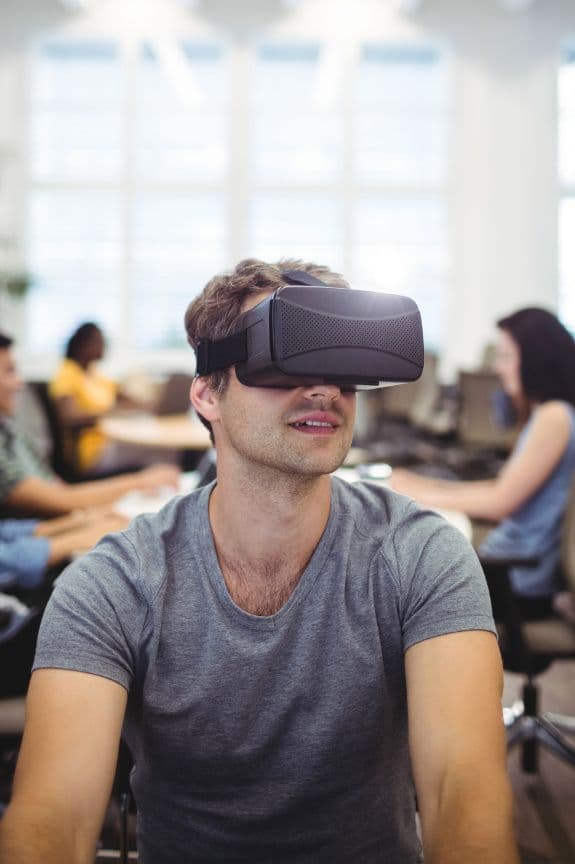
{"x": 11, "y": 474}
{"x": 23, "y": 561}
{"x": 95, "y": 617}
{"x": 12, "y": 528}
{"x": 65, "y": 382}
{"x": 441, "y": 584}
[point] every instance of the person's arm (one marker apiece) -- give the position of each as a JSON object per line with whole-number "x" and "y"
{"x": 522, "y": 475}
{"x": 458, "y": 753}
{"x": 63, "y": 546}
{"x": 44, "y": 498}
{"x": 72, "y": 521}
{"x": 65, "y": 769}
{"x": 73, "y": 417}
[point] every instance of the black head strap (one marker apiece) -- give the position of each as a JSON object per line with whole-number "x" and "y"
{"x": 221, "y": 353}
{"x": 212, "y": 356}
{"x": 300, "y": 277}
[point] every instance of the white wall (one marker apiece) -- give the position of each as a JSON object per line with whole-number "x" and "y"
{"x": 502, "y": 188}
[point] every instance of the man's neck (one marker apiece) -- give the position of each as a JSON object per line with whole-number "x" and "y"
{"x": 268, "y": 525}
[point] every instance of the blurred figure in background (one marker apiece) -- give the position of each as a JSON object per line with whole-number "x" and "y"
{"x": 28, "y": 485}
{"x": 535, "y": 361}
{"x": 29, "y": 548}
{"x": 83, "y": 394}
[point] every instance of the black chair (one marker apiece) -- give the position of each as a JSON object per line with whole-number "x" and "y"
{"x": 60, "y": 461}
{"x": 530, "y": 647}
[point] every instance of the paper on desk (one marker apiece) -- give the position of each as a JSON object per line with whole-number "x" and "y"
{"x": 135, "y": 503}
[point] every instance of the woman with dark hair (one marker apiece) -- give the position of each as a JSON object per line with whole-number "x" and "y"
{"x": 535, "y": 361}
{"x": 83, "y": 394}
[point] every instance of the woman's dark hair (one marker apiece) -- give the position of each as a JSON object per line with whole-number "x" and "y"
{"x": 5, "y": 341}
{"x": 547, "y": 352}
{"x": 80, "y": 337}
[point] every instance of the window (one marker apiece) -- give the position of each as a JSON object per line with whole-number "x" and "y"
{"x": 567, "y": 189}
{"x": 357, "y": 182}
{"x": 126, "y": 216}
{"x": 137, "y": 196}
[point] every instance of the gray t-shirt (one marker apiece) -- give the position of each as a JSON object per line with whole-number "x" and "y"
{"x": 269, "y": 739}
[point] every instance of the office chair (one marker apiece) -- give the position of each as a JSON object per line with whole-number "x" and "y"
{"x": 530, "y": 647}
{"x": 59, "y": 452}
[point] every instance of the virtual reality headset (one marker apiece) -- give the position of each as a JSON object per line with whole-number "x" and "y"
{"x": 308, "y": 332}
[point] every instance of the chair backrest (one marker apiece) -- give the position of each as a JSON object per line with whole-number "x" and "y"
{"x": 476, "y": 426}
{"x": 568, "y": 541}
{"x": 58, "y": 455}
{"x": 416, "y": 401}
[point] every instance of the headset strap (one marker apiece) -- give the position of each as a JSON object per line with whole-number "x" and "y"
{"x": 212, "y": 355}
{"x": 221, "y": 353}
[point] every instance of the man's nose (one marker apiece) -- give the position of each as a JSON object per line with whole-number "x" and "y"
{"x": 330, "y": 392}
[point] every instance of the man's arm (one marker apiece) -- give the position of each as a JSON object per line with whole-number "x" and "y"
{"x": 44, "y": 498}
{"x": 65, "y": 769}
{"x": 458, "y": 752}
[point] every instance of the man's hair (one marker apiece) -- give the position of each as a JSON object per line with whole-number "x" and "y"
{"x": 215, "y": 312}
{"x": 547, "y": 352}
{"x": 5, "y": 341}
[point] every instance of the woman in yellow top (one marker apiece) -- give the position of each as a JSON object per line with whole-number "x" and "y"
{"x": 83, "y": 395}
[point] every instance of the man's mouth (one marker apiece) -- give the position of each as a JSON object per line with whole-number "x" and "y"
{"x": 314, "y": 423}
{"x": 317, "y": 423}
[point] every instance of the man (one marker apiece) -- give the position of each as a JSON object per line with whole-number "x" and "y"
{"x": 28, "y": 486}
{"x": 264, "y": 642}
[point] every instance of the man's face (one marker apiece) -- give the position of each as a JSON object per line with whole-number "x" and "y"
{"x": 10, "y": 383}
{"x": 301, "y": 430}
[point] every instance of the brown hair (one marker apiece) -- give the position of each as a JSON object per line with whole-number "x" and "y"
{"x": 213, "y": 314}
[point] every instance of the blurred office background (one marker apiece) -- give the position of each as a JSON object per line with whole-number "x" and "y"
{"x": 425, "y": 147}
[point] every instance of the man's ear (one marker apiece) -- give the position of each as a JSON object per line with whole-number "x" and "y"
{"x": 204, "y": 400}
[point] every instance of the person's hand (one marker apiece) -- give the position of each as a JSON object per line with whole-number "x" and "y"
{"x": 158, "y": 476}
{"x": 82, "y": 539}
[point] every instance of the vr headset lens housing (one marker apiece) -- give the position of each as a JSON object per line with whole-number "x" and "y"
{"x": 314, "y": 333}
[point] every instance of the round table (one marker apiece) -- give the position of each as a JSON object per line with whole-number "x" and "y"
{"x": 174, "y": 432}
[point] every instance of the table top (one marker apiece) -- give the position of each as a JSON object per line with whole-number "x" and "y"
{"x": 175, "y": 431}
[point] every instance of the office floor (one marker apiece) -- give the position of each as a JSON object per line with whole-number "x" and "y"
{"x": 545, "y": 803}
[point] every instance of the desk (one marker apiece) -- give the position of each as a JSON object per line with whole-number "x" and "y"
{"x": 173, "y": 432}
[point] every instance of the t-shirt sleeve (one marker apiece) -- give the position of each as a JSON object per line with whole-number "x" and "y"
{"x": 23, "y": 561}
{"x": 12, "y": 472}
{"x": 64, "y": 382}
{"x": 96, "y": 615}
{"x": 10, "y": 529}
{"x": 442, "y": 587}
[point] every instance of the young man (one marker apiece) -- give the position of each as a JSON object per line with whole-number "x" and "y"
{"x": 28, "y": 486}
{"x": 293, "y": 658}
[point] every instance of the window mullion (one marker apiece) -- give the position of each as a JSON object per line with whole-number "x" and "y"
{"x": 127, "y": 190}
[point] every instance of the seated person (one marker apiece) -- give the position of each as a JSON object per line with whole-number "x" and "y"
{"x": 27, "y": 484}
{"x": 82, "y": 395}
{"x": 29, "y": 547}
{"x": 284, "y": 651}
{"x": 535, "y": 360}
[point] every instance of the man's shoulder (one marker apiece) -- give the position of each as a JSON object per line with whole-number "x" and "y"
{"x": 377, "y": 506}
{"x": 137, "y": 559}
{"x": 399, "y": 526}
{"x": 171, "y": 530}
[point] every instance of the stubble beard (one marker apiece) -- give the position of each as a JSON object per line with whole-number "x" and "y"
{"x": 271, "y": 456}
